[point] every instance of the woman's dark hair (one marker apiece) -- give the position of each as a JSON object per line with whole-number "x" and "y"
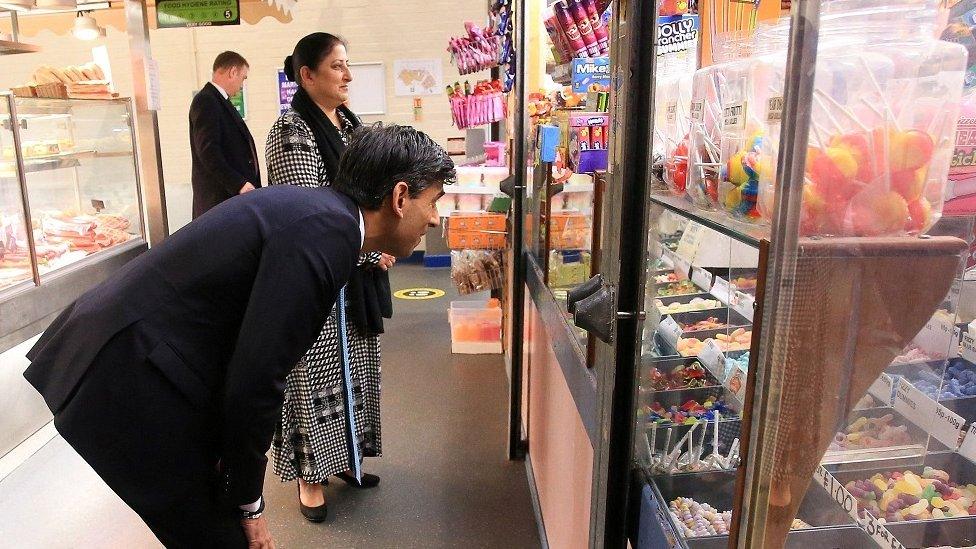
{"x": 309, "y": 52}
{"x": 378, "y": 157}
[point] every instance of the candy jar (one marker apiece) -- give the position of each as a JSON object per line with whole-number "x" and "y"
{"x": 886, "y": 100}
{"x": 705, "y": 135}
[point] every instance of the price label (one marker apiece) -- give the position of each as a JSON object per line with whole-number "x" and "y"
{"x": 691, "y": 240}
{"x": 698, "y": 110}
{"x": 670, "y": 331}
{"x": 881, "y": 389}
{"x": 968, "y": 348}
{"x": 712, "y": 358}
{"x": 721, "y": 290}
{"x": 848, "y": 503}
{"x": 734, "y": 116}
{"x": 701, "y": 278}
{"x": 968, "y": 448}
{"x": 743, "y": 304}
{"x": 946, "y": 425}
{"x": 672, "y": 111}
{"x": 914, "y": 405}
{"x": 774, "y": 109}
{"x": 936, "y": 336}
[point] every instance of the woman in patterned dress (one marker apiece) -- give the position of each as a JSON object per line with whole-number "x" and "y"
{"x": 326, "y": 403}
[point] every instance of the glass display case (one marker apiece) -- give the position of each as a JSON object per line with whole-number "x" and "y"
{"x": 70, "y": 203}
{"x": 805, "y": 361}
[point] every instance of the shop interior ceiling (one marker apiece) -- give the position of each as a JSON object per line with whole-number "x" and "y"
{"x": 35, "y": 16}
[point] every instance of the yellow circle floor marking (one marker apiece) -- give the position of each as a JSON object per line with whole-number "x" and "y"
{"x": 419, "y": 293}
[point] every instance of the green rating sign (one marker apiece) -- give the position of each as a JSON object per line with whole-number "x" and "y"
{"x": 197, "y": 13}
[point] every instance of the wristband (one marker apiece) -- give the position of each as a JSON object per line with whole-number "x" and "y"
{"x": 251, "y": 515}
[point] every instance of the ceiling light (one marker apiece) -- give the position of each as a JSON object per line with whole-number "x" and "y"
{"x": 86, "y": 28}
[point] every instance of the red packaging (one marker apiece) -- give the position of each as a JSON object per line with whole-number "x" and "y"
{"x": 558, "y": 38}
{"x": 569, "y": 27}
{"x": 597, "y": 138}
{"x": 599, "y": 30}
{"x": 578, "y": 10}
{"x": 583, "y": 138}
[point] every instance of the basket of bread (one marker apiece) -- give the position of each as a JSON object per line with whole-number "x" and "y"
{"x": 73, "y": 82}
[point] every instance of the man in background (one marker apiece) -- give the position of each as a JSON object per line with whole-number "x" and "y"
{"x": 225, "y": 161}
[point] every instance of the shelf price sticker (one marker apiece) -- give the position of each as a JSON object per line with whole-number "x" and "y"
{"x": 848, "y": 503}
{"x": 935, "y": 338}
{"x": 743, "y": 304}
{"x": 713, "y": 359}
{"x": 701, "y": 278}
{"x": 946, "y": 425}
{"x": 670, "y": 331}
{"x": 914, "y": 404}
{"x": 721, "y": 290}
{"x": 968, "y": 348}
{"x": 691, "y": 240}
{"x": 882, "y": 388}
{"x": 968, "y": 447}
{"x": 671, "y": 108}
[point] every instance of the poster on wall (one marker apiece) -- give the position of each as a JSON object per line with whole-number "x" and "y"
{"x": 286, "y": 90}
{"x": 239, "y": 100}
{"x": 174, "y": 14}
{"x": 418, "y": 77}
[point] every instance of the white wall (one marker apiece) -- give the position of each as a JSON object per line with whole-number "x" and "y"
{"x": 376, "y": 30}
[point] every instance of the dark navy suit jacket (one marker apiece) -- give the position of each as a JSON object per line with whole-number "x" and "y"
{"x": 230, "y": 303}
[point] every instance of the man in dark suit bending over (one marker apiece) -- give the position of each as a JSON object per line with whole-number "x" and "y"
{"x": 225, "y": 161}
{"x": 168, "y": 378}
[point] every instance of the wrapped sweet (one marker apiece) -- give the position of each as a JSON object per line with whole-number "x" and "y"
{"x": 677, "y": 118}
{"x": 885, "y": 101}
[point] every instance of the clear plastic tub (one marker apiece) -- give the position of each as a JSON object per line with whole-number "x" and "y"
{"x": 476, "y": 327}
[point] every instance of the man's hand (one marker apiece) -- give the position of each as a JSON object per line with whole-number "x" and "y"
{"x": 257, "y": 533}
{"x": 246, "y": 188}
{"x": 386, "y": 262}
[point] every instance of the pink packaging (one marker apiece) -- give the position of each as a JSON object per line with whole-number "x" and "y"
{"x": 558, "y": 40}
{"x": 582, "y": 19}
{"x": 569, "y": 27}
{"x": 599, "y": 29}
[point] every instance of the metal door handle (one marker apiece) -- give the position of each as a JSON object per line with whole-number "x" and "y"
{"x": 595, "y": 314}
{"x": 582, "y": 291}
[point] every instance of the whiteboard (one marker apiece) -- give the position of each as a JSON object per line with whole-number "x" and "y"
{"x": 367, "y": 91}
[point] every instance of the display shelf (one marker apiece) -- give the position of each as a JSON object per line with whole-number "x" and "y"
{"x": 747, "y": 233}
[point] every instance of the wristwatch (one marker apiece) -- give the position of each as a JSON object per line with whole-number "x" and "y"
{"x": 251, "y": 515}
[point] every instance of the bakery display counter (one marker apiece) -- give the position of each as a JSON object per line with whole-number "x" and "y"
{"x": 70, "y": 204}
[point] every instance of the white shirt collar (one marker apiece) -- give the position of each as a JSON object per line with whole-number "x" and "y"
{"x": 221, "y": 90}
{"x": 362, "y": 229}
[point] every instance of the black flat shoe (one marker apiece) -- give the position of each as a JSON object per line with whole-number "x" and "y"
{"x": 369, "y": 481}
{"x": 312, "y": 514}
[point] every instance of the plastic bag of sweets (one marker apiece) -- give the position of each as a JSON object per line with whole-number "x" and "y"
{"x": 886, "y": 102}
{"x": 677, "y": 120}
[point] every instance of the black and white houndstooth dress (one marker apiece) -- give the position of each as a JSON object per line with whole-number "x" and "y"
{"x": 312, "y": 441}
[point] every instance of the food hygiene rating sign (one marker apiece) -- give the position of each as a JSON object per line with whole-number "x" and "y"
{"x": 172, "y": 14}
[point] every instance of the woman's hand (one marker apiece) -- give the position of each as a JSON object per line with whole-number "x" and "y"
{"x": 386, "y": 262}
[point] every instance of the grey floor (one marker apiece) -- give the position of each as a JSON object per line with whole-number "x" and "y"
{"x": 446, "y": 481}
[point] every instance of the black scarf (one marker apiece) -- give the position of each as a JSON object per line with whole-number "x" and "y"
{"x": 368, "y": 295}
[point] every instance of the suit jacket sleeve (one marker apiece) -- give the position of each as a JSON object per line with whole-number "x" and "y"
{"x": 296, "y": 286}
{"x": 207, "y": 137}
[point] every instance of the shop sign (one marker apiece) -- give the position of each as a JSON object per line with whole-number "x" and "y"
{"x": 677, "y": 33}
{"x": 286, "y": 90}
{"x": 592, "y": 72}
{"x": 172, "y": 14}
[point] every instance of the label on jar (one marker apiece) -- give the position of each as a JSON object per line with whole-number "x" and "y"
{"x": 774, "y": 110}
{"x": 848, "y": 503}
{"x": 734, "y": 116}
{"x": 672, "y": 110}
{"x": 698, "y": 110}
{"x": 670, "y": 331}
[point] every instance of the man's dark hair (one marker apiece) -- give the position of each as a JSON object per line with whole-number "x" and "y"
{"x": 229, "y": 60}
{"x": 378, "y": 157}
{"x": 309, "y": 52}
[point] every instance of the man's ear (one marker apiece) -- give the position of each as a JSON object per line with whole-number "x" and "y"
{"x": 398, "y": 198}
